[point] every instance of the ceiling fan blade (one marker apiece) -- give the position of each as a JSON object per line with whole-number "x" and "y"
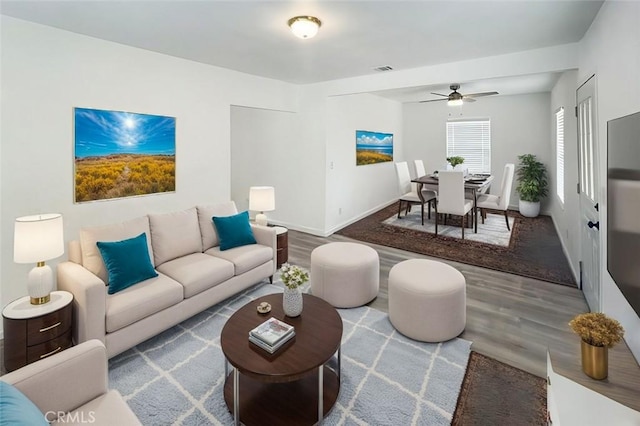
{"x": 439, "y": 94}
{"x": 433, "y": 100}
{"x": 477, "y": 95}
{"x": 466, "y": 99}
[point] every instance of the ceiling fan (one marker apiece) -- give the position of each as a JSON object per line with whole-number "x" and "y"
{"x": 456, "y": 98}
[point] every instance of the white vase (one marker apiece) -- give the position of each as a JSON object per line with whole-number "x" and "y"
{"x": 529, "y": 208}
{"x": 292, "y": 301}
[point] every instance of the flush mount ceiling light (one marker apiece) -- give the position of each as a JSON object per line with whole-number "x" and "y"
{"x": 304, "y": 26}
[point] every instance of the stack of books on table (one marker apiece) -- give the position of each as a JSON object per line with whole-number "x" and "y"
{"x": 271, "y": 334}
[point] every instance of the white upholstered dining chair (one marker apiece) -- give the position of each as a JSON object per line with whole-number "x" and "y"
{"x": 427, "y": 193}
{"x": 409, "y": 192}
{"x": 501, "y": 201}
{"x": 451, "y": 199}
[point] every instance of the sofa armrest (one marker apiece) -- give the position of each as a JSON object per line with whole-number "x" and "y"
{"x": 266, "y": 235}
{"x": 89, "y": 301}
{"x": 64, "y": 381}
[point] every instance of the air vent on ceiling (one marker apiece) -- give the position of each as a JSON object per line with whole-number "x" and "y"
{"x": 383, "y": 68}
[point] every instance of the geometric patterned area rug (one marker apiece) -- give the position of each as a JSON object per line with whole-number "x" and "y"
{"x": 494, "y": 393}
{"x": 492, "y": 231}
{"x": 177, "y": 377}
{"x": 534, "y": 248}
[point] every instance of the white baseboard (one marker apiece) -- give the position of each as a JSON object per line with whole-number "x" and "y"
{"x": 566, "y": 251}
{"x": 326, "y": 233}
{"x": 360, "y": 216}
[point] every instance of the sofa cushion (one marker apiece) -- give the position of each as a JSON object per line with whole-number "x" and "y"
{"x": 108, "y": 409}
{"x": 234, "y": 231}
{"x": 127, "y": 262}
{"x": 244, "y": 258}
{"x": 207, "y": 229}
{"x": 17, "y": 409}
{"x": 197, "y": 272}
{"x": 175, "y": 234}
{"x": 91, "y": 257}
{"x": 141, "y": 300}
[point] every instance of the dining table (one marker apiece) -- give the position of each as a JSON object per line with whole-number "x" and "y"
{"x": 475, "y": 183}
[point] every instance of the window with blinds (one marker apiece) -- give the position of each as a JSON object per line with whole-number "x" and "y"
{"x": 470, "y": 139}
{"x": 560, "y": 154}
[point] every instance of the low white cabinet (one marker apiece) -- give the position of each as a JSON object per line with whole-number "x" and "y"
{"x": 573, "y": 399}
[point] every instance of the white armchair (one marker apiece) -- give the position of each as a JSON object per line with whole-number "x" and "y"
{"x": 71, "y": 387}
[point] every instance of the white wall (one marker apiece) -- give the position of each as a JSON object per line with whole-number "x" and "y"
{"x": 519, "y": 125}
{"x": 356, "y": 191}
{"x": 564, "y": 214}
{"x": 611, "y": 50}
{"x": 262, "y": 154}
{"x": 47, "y": 72}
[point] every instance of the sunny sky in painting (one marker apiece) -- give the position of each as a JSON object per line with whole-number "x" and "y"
{"x": 100, "y": 133}
{"x": 366, "y": 138}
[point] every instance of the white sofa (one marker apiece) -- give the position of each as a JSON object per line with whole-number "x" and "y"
{"x": 193, "y": 274}
{"x": 71, "y": 388}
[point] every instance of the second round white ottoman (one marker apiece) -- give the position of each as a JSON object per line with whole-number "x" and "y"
{"x": 427, "y": 300}
{"x": 345, "y": 274}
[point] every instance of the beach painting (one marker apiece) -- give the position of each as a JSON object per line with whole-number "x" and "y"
{"x": 123, "y": 154}
{"x": 373, "y": 147}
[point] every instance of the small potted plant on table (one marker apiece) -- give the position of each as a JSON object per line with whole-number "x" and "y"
{"x": 454, "y": 161}
{"x": 598, "y": 333}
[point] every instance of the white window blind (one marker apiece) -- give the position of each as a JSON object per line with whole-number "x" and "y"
{"x": 560, "y": 154}
{"x": 471, "y": 139}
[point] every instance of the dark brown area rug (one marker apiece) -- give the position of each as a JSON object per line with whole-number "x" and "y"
{"x": 534, "y": 250}
{"x": 495, "y": 394}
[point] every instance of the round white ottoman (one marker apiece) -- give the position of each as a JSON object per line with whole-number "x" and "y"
{"x": 345, "y": 274}
{"x": 427, "y": 300}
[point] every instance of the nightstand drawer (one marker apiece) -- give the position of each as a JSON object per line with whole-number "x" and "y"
{"x": 46, "y": 349}
{"x": 50, "y": 326}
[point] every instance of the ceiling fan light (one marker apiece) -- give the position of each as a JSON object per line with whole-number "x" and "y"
{"x": 304, "y": 26}
{"x": 454, "y": 102}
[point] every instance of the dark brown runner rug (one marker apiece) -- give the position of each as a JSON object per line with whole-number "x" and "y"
{"x": 534, "y": 251}
{"x": 495, "y": 394}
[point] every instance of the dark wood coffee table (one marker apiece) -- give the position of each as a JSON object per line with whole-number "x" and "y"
{"x": 299, "y": 383}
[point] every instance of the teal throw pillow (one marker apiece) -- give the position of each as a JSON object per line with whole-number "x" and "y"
{"x": 16, "y": 409}
{"x": 127, "y": 262}
{"x": 234, "y": 231}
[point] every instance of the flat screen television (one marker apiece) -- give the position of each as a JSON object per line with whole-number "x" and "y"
{"x": 623, "y": 206}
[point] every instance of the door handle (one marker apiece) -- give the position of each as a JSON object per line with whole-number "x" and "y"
{"x": 594, "y": 225}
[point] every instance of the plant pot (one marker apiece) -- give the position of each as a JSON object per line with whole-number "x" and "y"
{"x": 292, "y": 301}
{"x": 529, "y": 208}
{"x": 595, "y": 360}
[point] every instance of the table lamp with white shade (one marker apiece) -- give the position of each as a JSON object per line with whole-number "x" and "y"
{"x": 262, "y": 199}
{"x": 38, "y": 238}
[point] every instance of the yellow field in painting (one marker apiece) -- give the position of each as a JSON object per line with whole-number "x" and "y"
{"x": 116, "y": 176}
{"x": 370, "y": 157}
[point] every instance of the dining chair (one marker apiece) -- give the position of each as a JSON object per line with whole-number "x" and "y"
{"x": 451, "y": 199}
{"x": 409, "y": 191}
{"x": 426, "y": 192}
{"x": 501, "y": 201}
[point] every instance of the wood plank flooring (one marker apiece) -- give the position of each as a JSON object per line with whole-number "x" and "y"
{"x": 509, "y": 318}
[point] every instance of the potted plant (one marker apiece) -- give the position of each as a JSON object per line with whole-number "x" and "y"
{"x": 597, "y": 332}
{"x": 293, "y": 277}
{"x": 532, "y": 184}
{"x": 454, "y": 161}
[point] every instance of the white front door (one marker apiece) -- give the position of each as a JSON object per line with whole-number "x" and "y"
{"x": 588, "y": 193}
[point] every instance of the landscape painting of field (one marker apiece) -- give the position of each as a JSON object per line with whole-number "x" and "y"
{"x": 123, "y": 154}
{"x": 372, "y": 147}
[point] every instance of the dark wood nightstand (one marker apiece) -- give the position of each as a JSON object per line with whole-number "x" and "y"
{"x": 34, "y": 332}
{"x": 282, "y": 242}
